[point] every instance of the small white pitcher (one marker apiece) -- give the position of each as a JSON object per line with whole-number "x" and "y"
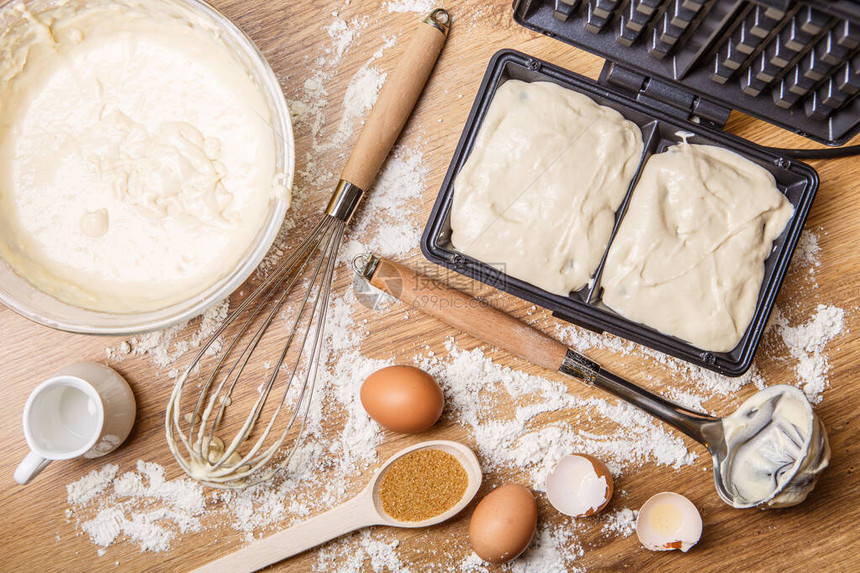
{"x": 85, "y": 409}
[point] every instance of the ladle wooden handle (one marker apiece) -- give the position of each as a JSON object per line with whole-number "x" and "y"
{"x": 354, "y": 514}
{"x": 395, "y": 102}
{"x": 504, "y": 331}
{"x": 468, "y": 314}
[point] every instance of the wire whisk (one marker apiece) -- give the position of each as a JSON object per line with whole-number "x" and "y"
{"x": 289, "y": 310}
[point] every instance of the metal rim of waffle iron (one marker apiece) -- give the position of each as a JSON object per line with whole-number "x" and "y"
{"x": 797, "y": 180}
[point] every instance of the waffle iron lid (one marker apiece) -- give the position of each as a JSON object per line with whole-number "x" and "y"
{"x": 795, "y": 64}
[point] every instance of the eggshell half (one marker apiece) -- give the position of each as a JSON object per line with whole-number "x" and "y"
{"x": 669, "y": 521}
{"x": 580, "y": 485}
{"x": 503, "y": 523}
{"x": 404, "y": 399}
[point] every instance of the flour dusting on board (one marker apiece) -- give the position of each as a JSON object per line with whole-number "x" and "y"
{"x": 361, "y": 94}
{"x": 354, "y": 554}
{"x": 806, "y": 254}
{"x": 412, "y": 5}
{"x": 388, "y": 221}
{"x": 621, "y": 522}
{"x": 519, "y": 424}
{"x": 140, "y": 506}
{"x": 478, "y": 390}
{"x": 164, "y": 347}
{"x": 806, "y": 343}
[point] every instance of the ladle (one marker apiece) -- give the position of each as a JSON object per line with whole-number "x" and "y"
{"x": 789, "y": 452}
{"x": 363, "y": 510}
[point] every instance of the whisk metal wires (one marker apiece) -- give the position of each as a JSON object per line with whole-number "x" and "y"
{"x": 286, "y": 311}
{"x": 289, "y": 381}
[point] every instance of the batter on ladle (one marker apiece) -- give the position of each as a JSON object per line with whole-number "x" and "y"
{"x": 778, "y": 448}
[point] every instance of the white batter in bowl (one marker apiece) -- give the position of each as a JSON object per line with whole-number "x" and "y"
{"x": 146, "y": 155}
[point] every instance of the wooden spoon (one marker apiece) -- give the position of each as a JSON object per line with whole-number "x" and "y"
{"x": 363, "y": 510}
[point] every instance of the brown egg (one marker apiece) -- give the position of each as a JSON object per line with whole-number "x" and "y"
{"x": 402, "y": 398}
{"x": 503, "y": 523}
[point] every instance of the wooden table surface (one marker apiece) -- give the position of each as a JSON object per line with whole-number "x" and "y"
{"x": 821, "y": 534}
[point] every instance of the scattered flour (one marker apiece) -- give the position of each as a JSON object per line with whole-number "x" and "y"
{"x": 342, "y": 34}
{"x": 621, "y": 522}
{"x": 361, "y": 94}
{"x": 91, "y": 485}
{"x": 359, "y": 99}
{"x": 142, "y": 505}
{"x": 806, "y": 343}
{"x": 412, "y": 5}
{"x": 165, "y": 347}
{"x": 807, "y": 251}
{"x": 371, "y": 553}
{"x": 392, "y": 202}
{"x": 477, "y": 390}
{"x": 553, "y": 549}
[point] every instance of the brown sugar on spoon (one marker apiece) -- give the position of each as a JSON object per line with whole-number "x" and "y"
{"x": 422, "y": 484}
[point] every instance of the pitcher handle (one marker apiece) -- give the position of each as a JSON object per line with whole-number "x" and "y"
{"x": 32, "y": 465}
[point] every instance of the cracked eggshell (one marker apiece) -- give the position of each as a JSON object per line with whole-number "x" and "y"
{"x": 669, "y": 521}
{"x": 580, "y": 485}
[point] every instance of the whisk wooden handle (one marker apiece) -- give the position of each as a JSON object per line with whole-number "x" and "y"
{"x": 395, "y": 103}
{"x": 468, "y": 314}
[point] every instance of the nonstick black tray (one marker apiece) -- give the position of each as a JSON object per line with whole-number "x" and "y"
{"x": 795, "y": 64}
{"x": 797, "y": 181}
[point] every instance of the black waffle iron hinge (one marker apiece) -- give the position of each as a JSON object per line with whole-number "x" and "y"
{"x": 668, "y": 98}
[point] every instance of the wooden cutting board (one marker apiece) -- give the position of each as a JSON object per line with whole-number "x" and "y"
{"x": 820, "y": 535}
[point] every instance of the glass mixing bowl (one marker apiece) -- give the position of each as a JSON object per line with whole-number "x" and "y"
{"x": 21, "y": 296}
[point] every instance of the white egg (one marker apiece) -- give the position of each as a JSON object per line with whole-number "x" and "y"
{"x": 579, "y": 485}
{"x": 669, "y": 521}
